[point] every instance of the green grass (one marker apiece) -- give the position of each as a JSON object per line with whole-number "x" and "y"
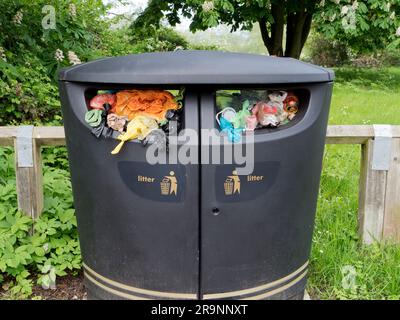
{"x": 366, "y": 97}
{"x": 360, "y": 97}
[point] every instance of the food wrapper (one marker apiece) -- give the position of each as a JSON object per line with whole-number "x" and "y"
{"x": 116, "y": 122}
{"x": 100, "y": 100}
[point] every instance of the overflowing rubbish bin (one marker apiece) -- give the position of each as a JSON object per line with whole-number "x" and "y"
{"x": 199, "y": 229}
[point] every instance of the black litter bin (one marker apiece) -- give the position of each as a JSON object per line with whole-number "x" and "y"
{"x": 216, "y": 234}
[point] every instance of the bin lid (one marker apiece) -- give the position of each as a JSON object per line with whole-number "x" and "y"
{"x": 196, "y": 67}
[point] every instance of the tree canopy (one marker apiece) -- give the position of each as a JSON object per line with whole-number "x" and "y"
{"x": 286, "y": 24}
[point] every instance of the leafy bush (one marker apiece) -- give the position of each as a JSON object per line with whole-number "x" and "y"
{"x": 27, "y": 94}
{"x": 366, "y": 61}
{"x": 390, "y": 57}
{"x": 333, "y": 53}
{"x": 325, "y": 52}
{"x": 30, "y": 55}
{"x": 154, "y": 38}
{"x": 53, "y": 250}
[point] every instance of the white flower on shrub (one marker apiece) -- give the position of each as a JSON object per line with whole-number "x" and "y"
{"x": 336, "y": 1}
{"x": 73, "y": 58}
{"x": 388, "y": 5}
{"x": 59, "y": 55}
{"x": 344, "y": 11}
{"x": 333, "y": 17}
{"x": 17, "y": 19}
{"x": 392, "y": 15}
{"x": 46, "y": 247}
{"x": 349, "y": 21}
{"x": 322, "y": 3}
{"x": 72, "y": 10}
{"x": 355, "y": 5}
{"x": 208, "y": 6}
{"x": 3, "y": 54}
{"x": 398, "y": 32}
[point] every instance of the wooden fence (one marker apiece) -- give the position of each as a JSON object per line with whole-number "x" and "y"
{"x": 379, "y": 187}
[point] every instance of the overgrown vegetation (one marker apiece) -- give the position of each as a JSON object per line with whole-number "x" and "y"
{"x": 31, "y": 55}
{"x": 327, "y": 52}
{"x": 53, "y": 249}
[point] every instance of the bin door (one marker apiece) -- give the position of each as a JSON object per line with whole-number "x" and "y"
{"x": 138, "y": 222}
{"x": 256, "y": 228}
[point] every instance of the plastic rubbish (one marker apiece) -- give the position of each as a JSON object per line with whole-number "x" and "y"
{"x": 239, "y": 122}
{"x": 102, "y": 130}
{"x": 291, "y": 105}
{"x": 98, "y": 101}
{"x": 171, "y": 128}
{"x": 107, "y": 107}
{"x": 116, "y": 122}
{"x": 151, "y": 103}
{"x": 267, "y": 115}
{"x": 94, "y": 117}
{"x": 138, "y": 128}
{"x": 225, "y": 124}
{"x": 173, "y": 123}
{"x": 234, "y": 135}
{"x": 270, "y": 109}
{"x": 228, "y": 113}
{"x": 251, "y": 123}
{"x": 135, "y": 114}
{"x": 156, "y": 137}
{"x": 171, "y": 114}
{"x": 276, "y": 99}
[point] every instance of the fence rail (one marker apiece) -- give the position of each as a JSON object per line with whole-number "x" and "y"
{"x": 379, "y": 186}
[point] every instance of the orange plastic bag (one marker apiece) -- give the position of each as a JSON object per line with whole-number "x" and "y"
{"x": 150, "y": 103}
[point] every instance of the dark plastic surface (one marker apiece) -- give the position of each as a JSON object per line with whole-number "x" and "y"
{"x": 200, "y": 242}
{"x": 128, "y": 232}
{"x": 196, "y": 67}
{"x": 264, "y": 233}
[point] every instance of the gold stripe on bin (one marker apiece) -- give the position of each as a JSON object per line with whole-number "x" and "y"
{"x": 113, "y": 291}
{"x": 233, "y": 294}
{"x": 278, "y": 290}
{"x": 156, "y": 294}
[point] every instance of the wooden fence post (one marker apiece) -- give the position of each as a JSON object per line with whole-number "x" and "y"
{"x": 379, "y": 194}
{"x": 371, "y": 203}
{"x": 28, "y": 164}
{"x": 391, "y": 224}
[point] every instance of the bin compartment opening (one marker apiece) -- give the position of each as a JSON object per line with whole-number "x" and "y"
{"x": 263, "y": 111}
{"x": 145, "y": 115}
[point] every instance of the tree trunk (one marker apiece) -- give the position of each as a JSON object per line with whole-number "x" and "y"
{"x": 298, "y": 25}
{"x": 274, "y": 41}
{"x": 294, "y": 33}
